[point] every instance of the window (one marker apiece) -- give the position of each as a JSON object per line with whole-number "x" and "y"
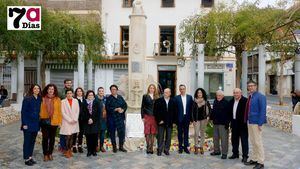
{"x": 167, "y": 3}
{"x": 167, "y": 40}
{"x": 127, "y": 3}
{"x": 207, "y": 3}
{"x": 124, "y": 45}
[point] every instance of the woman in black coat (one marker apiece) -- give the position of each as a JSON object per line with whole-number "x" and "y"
{"x": 91, "y": 111}
{"x": 79, "y": 95}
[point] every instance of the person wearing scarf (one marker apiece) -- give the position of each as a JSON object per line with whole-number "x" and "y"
{"x": 91, "y": 117}
{"x": 200, "y": 112}
{"x": 50, "y": 119}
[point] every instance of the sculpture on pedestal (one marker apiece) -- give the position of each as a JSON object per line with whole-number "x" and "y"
{"x": 137, "y": 7}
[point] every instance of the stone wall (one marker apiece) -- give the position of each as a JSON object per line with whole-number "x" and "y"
{"x": 281, "y": 119}
{"x": 8, "y": 115}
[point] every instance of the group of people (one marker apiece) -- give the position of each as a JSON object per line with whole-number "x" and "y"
{"x": 243, "y": 116}
{"x": 77, "y": 113}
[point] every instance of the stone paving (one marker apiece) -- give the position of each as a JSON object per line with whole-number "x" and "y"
{"x": 282, "y": 151}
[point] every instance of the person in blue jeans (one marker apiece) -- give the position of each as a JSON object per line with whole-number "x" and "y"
{"x": 30, "y": 122}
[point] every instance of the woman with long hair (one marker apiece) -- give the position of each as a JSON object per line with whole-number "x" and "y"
{"x": 148, "y": 118}
{"x": 50, "y": 119}
{"x": 200, "y": 113}
{"x": 30, "y": 121}
{"x": 78, "y": 137}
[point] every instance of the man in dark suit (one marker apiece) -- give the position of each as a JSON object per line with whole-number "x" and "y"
{"x": 184, "y": 106}
{"x": 239, "y": 129}
{"x": 165, "y": 116}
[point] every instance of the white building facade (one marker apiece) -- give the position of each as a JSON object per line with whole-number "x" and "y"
{"x": 163, "y": 64}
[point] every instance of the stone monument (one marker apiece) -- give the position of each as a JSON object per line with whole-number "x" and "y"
{"x": 137, "y": 55}
{"x": 136, "y": 74}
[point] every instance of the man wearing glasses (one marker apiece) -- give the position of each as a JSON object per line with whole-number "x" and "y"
{"x": 255, "y": 114}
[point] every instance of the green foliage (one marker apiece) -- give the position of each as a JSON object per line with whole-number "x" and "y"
{"x": 222, "y": 27}
{"x": 58, "y": 40}
{"x": 209, "y": 130}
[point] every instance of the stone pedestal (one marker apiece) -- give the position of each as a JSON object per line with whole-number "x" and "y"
{"x": 14, "y": 79}
{"x": 80, "y": 65}
{"x": 262, "y": 69}
{"x": 244, "y": 73}
{"x": 38, "y": 67}
{"x": 296, "y": 125}
{"x": 20, "y": 93}
{"x": 201, "y": 65}
{"x": 90, "y": 75}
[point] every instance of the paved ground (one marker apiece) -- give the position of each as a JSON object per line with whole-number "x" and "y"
{"x": 282, "y": 152}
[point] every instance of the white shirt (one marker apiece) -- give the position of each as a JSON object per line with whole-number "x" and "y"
{"x": 151, "y": 95}
{"x": 183, "y": 98}
{"x": 235, "y": 105}
{"x": 167, "y": 101}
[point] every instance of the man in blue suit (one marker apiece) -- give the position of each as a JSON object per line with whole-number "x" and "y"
{"x": 255, "y": 114}
{"x": 184, "y": 106}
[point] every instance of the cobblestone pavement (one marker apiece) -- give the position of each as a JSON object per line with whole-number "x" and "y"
{"x": 282, "y": 151}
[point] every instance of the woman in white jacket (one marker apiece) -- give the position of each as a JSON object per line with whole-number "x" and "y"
{"x": 70, "y": 125}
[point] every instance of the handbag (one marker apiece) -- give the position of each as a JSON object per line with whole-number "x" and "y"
{"x": 45, "y": 122}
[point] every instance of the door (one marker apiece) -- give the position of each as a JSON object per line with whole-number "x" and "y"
{"x": 30, "y": 78}
{"x": 167, "y": 79}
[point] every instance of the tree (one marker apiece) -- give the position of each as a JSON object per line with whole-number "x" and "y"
{"x": 282, "y": 41}
{"x": 57, "y": 41}
{"x": 242, "y": 28}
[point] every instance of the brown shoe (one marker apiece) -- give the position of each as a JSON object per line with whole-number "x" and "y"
{"x": 201, "y": 150}
{"x": 50, "y": 157}
{"x": 71, "y": 153}
{"x": 67, "y": 154}
{"x": 102, "y": 149}
{"x": 196, "y": 150}
{"x": 46, "y": 158}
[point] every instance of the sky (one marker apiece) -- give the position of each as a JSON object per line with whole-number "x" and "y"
{"x": 265, "y": 3}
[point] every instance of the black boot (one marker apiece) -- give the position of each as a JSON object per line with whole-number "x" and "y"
{"x": 115, "y": 150}
{"x": 80, "y": 150}
{"x": 121, "y": 148}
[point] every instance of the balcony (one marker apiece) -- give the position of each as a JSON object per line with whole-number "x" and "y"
{"x": 121, "y": 49}
{"x": 166, "y": 48}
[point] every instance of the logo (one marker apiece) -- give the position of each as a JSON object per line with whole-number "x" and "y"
{"x": 24, "y": 18}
